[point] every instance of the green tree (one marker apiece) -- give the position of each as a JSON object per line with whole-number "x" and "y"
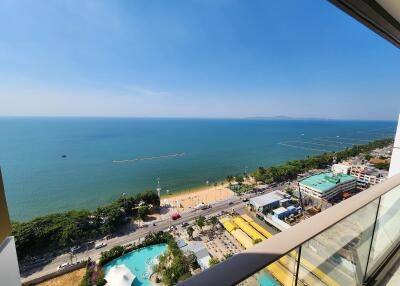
{"x": 111, "y": 254}
{"x": 100, "y": 280}
{"x": 200, "y": 221}
{"x": 213, "y": 261}
{"x": 382, "y": 166}
{"x": 192, "y": 260}
{"x": 228, "y": 255}
{"x": 289, "y": 191}
{"x": 190, "y": 231}
{"x": 148, "y": 197}
{"x": 291, "y": 169}
{"x": 213, "y": 221}
{"x": 143, "y": 212}
{"x": 87, "y": 278}
{"x": 239, "y": 179}
{"x": 174, "y": 266}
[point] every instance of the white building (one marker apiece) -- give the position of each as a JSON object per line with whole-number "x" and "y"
{"x": 327, "y": 185}
{"x": 368, "y": 174}
{"x": 201, "y": 252}
{"x": 395, "y": 162}
{"x": 268, "y": 201}
{"x": 340, "y": 168}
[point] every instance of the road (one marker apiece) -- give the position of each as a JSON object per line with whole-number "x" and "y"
{"x": 140, "y": 233}
{"x": 161, "y": 225}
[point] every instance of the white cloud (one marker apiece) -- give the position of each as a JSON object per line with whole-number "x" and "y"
{"x": 140, "y": 91}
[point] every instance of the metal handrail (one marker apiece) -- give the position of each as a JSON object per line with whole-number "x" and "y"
{"x": 242, "y": 265}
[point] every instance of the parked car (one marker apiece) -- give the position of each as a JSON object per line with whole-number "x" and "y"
{"x": 184, "y": 224}
{"x": 90, "y": 244}
{"x": 175, "y": 216}
{"x": 64, "y": 265}
{"x": 100, "y": 245}
{"x": 127, "y": 245}
{"x": 205, "y": 207}
{"x": 109, "y": 236}
{"x": 75, "y": 249}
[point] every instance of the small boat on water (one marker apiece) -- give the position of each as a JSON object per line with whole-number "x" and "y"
{"x": 64, "y": 156}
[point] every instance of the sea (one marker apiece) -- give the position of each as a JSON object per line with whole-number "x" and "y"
{"x": 56, "y": 164}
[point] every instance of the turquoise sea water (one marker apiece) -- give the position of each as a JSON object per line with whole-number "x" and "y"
{"x": 139, "y": 263}
{"x": 38, "y": 180}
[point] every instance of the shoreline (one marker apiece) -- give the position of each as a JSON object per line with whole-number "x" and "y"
{"x": 203, "y": 193}
{"x": 190, "y": 198}
{"x": 191, "y": 190}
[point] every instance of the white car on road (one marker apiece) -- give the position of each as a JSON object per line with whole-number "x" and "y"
{"x": 100, "y": 245}
{"x": 64, "y": 265}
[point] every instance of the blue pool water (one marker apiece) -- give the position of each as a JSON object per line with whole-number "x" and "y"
{"x": 139, "y": 262}
{"x": 266, "y": 279}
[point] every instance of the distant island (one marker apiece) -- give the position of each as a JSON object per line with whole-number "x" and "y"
{"x": 284, "y": 117}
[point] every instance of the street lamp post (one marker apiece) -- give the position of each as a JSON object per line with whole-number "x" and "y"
{"x": 301, "y": 198}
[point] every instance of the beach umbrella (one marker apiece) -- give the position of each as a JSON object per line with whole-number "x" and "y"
{"x": 119, "y": 275}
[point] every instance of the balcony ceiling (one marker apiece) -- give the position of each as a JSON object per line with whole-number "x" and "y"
{"x": 392, "y": 7}
{"x": 381, "y": 16}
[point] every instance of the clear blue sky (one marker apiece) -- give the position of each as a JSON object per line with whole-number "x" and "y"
{"x": 204, "y": 58}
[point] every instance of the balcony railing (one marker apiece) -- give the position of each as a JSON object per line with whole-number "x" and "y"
{"x": 346, "y": 244}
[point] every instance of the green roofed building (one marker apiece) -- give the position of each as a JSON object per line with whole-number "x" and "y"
{"x": 327, "y": 185}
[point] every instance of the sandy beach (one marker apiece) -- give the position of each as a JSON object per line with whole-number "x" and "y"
{"x": 207, "y": 195}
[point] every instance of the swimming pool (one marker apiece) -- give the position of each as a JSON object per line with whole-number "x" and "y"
{"x": 265, "y": 279}
{"x": 139, "y": 262}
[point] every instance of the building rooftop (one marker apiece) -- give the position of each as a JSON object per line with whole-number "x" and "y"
{"x": 280, "y": 210}
{"x": 325, "y": 181}
{"x": 181, "y": 243}
{"x": 197, "y": 247}
{"x": 204, "y": 262}
{"x": 370, "y": 170}
{"x": 268, "y": 198}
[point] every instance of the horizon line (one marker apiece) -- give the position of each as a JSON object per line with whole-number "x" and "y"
{"x": 259, "y": 118}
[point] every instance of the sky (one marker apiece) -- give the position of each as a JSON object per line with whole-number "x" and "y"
{"x": 193, "y": 58}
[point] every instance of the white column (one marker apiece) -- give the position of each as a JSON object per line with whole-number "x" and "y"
{"x": 395, "y": 161}
{"x": 9, "y": 271}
